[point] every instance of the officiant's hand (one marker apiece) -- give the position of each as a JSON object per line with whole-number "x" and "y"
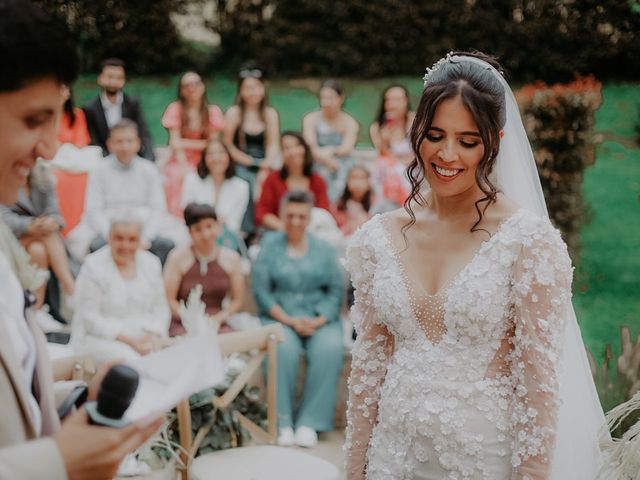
{"x": 92, "y": 452}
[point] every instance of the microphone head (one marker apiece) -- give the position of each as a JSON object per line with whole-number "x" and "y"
{"x": 117, "y": 391}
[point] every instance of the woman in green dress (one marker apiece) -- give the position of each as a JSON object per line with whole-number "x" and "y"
{"x": 298, "y": 282}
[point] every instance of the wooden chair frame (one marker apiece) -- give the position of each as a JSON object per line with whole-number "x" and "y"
{"x": 76, "y": 367}
{"x": 265, "y": 340}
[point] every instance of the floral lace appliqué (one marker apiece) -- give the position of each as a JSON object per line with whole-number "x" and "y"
{"x": 479, "y": 404}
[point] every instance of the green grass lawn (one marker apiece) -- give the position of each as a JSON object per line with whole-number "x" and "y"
{"x": 608, "y": 275}
{"x": 606, "y": 293}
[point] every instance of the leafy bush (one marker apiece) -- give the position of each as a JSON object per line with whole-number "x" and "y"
{"x": 543, "y": 39}
{"x": 141, "y": 33}
{"x": 223, "y": 429}
{"x": 559, "y": 120}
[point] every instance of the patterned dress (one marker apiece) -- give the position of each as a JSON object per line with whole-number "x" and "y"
{"x": 461, "y": 384}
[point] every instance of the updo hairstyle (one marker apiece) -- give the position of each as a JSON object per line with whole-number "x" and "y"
{"x": 481, "y": 91}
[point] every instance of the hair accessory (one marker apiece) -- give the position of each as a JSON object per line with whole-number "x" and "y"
{"x": 250, "y": 73}
{"x": 435, "y": 67}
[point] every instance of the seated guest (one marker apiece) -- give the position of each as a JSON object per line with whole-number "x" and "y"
{"x": 73, "y": 126}
{"x": 124, "y": 181}
{"x": 112, "y": 105}
{"x": 191, "y": 122}
{"x": 296, "y": 174}
{"x": 331, "y": 134}
{"x": 218, "y": 269}
{"x": 216, "y": 184}
{"x": 354, "y": 207}
{"x": 35, "y": 219}
{"x": 252, "y": 134}
{"x": 390, "y": 136}
{"x": 120, "y": 303}
{"x": 298, "y": 282}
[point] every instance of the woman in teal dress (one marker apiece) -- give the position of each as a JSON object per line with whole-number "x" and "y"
{"x": 298, "y": 282}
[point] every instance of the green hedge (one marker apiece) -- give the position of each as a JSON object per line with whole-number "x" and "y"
{"x": 542, "y": 39}
{"x": 560, "y": 122}
{"x": 140, "y": 32}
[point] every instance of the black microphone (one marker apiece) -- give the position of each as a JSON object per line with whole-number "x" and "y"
{"x": 114, "y": 397}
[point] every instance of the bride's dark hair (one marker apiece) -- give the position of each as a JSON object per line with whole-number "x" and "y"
{"x": 483, "y": 94}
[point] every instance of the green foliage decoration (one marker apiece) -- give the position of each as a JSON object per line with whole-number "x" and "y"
{"x": 559, "y": 121}
{"x": 224, "y": 429}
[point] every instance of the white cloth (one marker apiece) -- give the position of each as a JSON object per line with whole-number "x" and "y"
{"x": 112, "y": 111}
{"x": 13, "y": 324}
{"x": 108, "y": 305}
{"x": 230, "y": 203}
{"x": 480, "y": 401}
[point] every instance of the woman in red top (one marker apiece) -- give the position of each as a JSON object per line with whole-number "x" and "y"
{"x": 295, "y": 174}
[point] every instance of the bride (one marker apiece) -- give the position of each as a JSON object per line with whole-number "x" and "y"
{"x": 469, "y": 362}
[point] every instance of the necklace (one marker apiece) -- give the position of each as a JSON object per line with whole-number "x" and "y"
{"x": 204, "y": 260}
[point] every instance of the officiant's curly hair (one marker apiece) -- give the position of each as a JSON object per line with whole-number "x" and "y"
{"x": 483, "y": 94}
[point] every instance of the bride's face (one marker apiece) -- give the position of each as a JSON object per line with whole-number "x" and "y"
{"x": 452, "y": 149}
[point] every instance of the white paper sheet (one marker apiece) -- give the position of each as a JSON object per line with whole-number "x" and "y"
{"x": 174, "y": 373}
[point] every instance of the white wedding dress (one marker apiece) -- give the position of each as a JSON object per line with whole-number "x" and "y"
{"x": 462, "y": 384}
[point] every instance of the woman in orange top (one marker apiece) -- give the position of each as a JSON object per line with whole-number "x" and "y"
{"x": 73, "y": 127}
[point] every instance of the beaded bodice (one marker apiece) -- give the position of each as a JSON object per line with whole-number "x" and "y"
{"x": 486, "y": 346}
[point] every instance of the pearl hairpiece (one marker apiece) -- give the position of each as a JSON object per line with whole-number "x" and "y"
{"x": 434, "y": 68}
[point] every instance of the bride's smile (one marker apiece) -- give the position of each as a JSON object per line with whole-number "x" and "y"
{"x": 452, "y": 148}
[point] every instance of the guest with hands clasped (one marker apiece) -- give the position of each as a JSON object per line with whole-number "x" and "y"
{"x": 121, "y": 306}
{"x": 298, "y": 282}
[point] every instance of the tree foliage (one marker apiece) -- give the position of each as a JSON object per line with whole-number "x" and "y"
{"x": 550, "y": 40}
{"x": 141, "y": 32}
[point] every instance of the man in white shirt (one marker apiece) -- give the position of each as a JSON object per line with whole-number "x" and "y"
{"x": 125, "y": 182}
{"x": 112, "y": 105}
{"x": 33, "y": 445}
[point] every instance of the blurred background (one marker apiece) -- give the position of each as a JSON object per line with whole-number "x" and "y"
{"x": 575, "y": 64}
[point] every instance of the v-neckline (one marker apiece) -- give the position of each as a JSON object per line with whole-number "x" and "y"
{"x": 404, "y": 273}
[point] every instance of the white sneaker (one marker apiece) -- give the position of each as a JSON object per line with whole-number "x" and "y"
{"x": 286, "y": 437}
{"x": 306, "y": 437}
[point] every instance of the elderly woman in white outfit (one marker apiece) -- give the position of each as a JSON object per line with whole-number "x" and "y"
{"x": 121, "y": 307}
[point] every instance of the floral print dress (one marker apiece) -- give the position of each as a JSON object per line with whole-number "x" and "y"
{"x": 461, "y": 384}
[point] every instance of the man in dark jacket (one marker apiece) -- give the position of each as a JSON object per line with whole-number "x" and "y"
{"x": 112, "y": 105}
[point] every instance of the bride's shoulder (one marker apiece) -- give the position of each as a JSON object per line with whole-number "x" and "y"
{"x": 531, "y": 233}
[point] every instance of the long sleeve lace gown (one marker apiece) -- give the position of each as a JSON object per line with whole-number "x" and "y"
{"x": 461, "y": 384}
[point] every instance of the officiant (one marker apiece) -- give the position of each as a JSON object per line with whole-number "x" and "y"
{"x": 40, "y": 62}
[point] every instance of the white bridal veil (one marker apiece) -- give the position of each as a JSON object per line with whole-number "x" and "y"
{"x": 577, "y": 455}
